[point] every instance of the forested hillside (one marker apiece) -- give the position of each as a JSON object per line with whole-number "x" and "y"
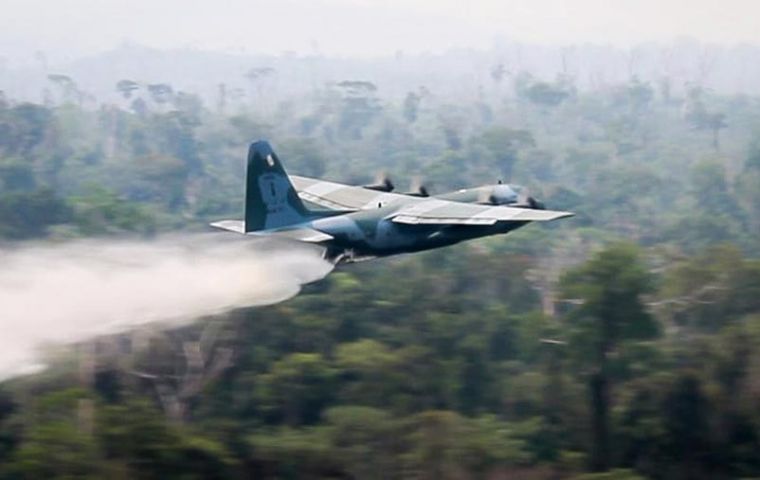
{"x": 619, "y": 344}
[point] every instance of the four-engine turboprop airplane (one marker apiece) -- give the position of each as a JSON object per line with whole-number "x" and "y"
{"x": 358, "y": 223}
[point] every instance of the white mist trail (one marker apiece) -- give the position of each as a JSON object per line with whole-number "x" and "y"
{"x": 72, "y": 292}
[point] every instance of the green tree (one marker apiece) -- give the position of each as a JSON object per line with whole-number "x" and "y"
{"x": 8, "y": 437}
{"x": 748, "y": 188}
{"x": 147, "y": 446}
{"x": 68, "y": 87}
{"x": 24, "y": 127}
{"x": 710, "y": 189}
{"x": 609, "y": 290}
{"x": 297, "y": 388}
{"x": 544, "y": 94}
{"x": 161, "y": 93}
{"x": 55, "y": 450}
{"x": 16, "y": 174}
{"x": 100, "y": 211}
{"x": 30, "y": 214}
{"x": 411, "y": 106}
{"x": 360, "y": 106}
{"x": 504, "y": 144}
{"x": 57, "y": 443}
{"x": 125, "y": 87}
{"x": 687, "y": 443}
{"x": 366, "y": 440}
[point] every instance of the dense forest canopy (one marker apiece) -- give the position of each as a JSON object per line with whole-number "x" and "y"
{"x": 620, "y": 344}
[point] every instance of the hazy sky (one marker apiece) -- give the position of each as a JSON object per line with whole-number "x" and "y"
{"x": 362, "y": 27}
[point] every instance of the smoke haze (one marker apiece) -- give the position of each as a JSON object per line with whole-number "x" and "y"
{"x": 361, "y": 28}
{"x": 73, "y": 292}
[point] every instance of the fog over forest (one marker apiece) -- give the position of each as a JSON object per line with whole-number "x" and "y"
{"x": 458, "y": 73}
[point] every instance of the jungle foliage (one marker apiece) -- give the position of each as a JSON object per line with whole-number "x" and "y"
{"x": 620, "y": 344}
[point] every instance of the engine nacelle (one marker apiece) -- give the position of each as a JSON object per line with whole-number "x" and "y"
{"x": 509, "y": 195}
{"x": 502, "y": 194}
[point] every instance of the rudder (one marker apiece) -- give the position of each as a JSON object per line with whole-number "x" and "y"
{"x": 270, "y": 199}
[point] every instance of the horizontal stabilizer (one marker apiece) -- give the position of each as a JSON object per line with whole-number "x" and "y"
{"x": 308, "y": 235}
{"x": 237, "y": 226}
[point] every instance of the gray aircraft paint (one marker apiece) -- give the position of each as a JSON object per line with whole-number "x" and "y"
{"x": 358, "y": 223}
{"x": 274, "y": 196}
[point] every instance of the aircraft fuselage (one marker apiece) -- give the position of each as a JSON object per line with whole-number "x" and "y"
{"x": 368, "y": 233}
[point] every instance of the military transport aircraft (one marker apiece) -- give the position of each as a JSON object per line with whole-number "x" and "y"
{"x": 356, "y": 223}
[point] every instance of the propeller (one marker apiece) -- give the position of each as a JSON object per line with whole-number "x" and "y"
{"x": 525, "y": 200}
{"x": 486, "y": 197}
{"x": 418, "y": 189}
{"x": 382, "y": 183}
{"x": 523, "y": 197}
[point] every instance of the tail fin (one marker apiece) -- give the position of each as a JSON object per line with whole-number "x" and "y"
{"x": 270, "y": 199}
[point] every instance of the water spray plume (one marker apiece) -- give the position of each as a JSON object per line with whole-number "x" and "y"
{"x": 73, "y": 292}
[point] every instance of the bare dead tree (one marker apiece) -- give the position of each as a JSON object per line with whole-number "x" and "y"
{"x": 201, "y": 360}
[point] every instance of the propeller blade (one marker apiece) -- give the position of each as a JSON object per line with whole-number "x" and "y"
{"x": 418, "y": 189}
{"x": 525, "y": 200}
{"x": 382, "y": 183}
{"x": 486, "y": 196}
{"x": 523, "y": 196}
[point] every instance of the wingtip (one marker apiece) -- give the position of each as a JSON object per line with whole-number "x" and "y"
{"x": 560, "y": 214}
{"x": 236, "y": 226}
{"x": 543, "y": 215}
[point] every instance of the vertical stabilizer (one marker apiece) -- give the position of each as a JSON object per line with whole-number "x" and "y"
{"x": 270, "y": 199}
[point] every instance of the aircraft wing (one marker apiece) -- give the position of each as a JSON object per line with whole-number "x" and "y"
{"x": 443, "y": 212}
{"x": 337, "y": 196}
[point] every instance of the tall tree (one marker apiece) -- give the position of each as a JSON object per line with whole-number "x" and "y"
{"x": 609, "y": 290}
{"x": 125, "y": 87}
{"x": 503, "y": 144}
{"x": 411, "y": 106}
